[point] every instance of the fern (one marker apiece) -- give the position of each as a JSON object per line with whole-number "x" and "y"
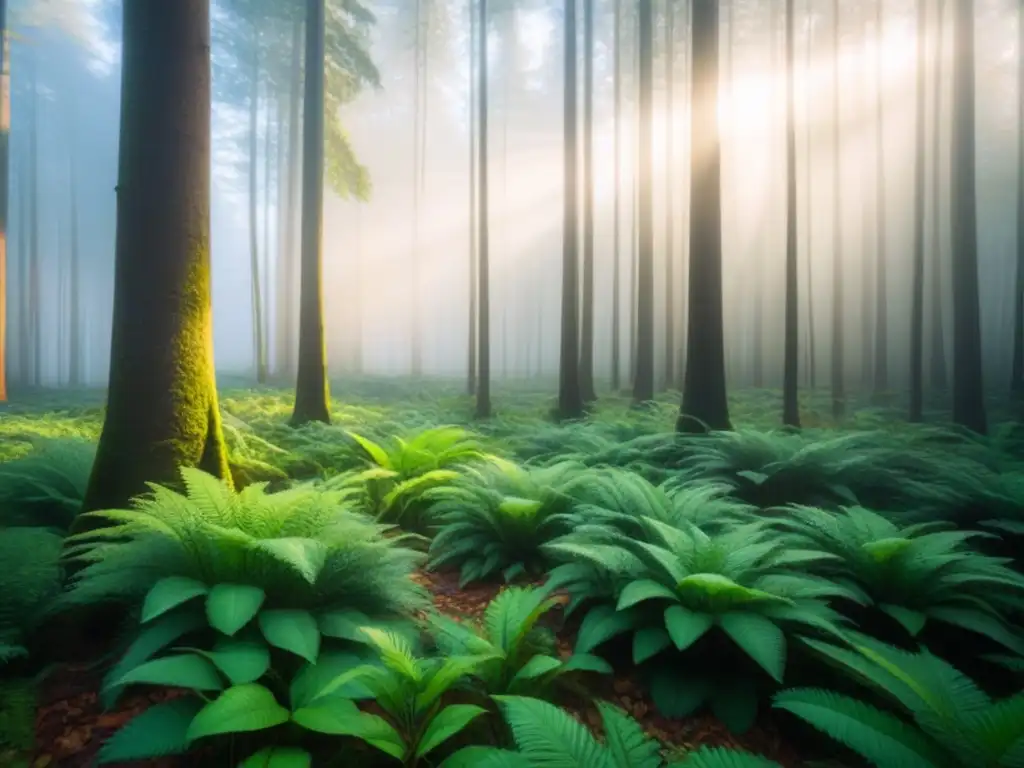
{"x": 45, "y": 488}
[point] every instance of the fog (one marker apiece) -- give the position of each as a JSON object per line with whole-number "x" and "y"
{"x": 390, "y": 273}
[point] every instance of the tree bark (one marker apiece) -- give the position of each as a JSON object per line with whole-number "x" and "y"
{"x": 286, "y": 309}
{"x": 259, "y": 360}
{"x": 616, "y": 215}
{"x": 791, "y": 360}
{"x": 643, "y": 383}
{"x": 483, "y": 384}
{"x": 704, "y": 405}
{"x": 838, "y": 293}
{"x": 968, "y": 391}
{"x": 75, "y": 358}
{"x": 881, "y": 368}
{"x": 570, "y": 396}
{"x": 472, "y": 335}
{"x": 586, "y": 362}
{"x": 1017, "y": 376}
{"x": 162, "y": 410}
{"x": 937, "y": 369}
{"x": 917, "y": 287}
{"x": 5, "y": 132}
{"x": 312, "y": 395}
{"x": 670, "y": 181}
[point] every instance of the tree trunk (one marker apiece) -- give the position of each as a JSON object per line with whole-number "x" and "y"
{"x": 419, "y": 78}
{"x": 5, "y": 132}
{"x": 280, "y": 185}
{"x": 75, "y": 361}
{"x": 586, "y": 380}
{"x": 791, "y": 360}
{"x": 570, "y": 396}
{"x": 23, "y": 260}
{"x": 286, "y": 322}
{"x": 616, "y": 215}
{"x": 968, "y": 392}
{"x": 483, "y": 390}
{"x": 254, "y": 252}
{"x": 1017, "y": 377}
{"x": 917, "y": 287}
{"x": 808, "y": 211}
{"x": 937, "y": 369}
{"x": 881, "y": 378}
{"x": 704, "y": 403}
{"x": 643, "y": 384}
{"x": 268, "y": 145}
{"x": 312, "y": 395}
{"x": 472, "y": 361}
{"x": 670, "y": 180}
{"x": 162, "y": 408}
{"x": 838, "y": 293}
{"x": 34, "y": 287}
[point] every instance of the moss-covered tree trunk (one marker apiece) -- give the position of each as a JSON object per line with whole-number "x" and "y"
{"x": 162, "y": 399}
{"x": 311, "y": 392}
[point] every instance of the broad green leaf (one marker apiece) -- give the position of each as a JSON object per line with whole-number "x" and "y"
{"x": 678, "y": 695}
{"x": 537, "y": 666}
{"x": 884, "y": 550}
{"x": 292, "y": 630}
{"x": 344, "y": 625}
{"x": 686, "y": 627}
{"x": 240, "y": 709}
{"x": 305, "y": 556}
{"x": 649, "y": 642}
{"x": 229, "y": 607}
{"x": 760, "y": 638}
{"x": 643, "y": 589}
{"x": 485, "y": 757}
{"x": 338, "y": 717}
{"x": 445, "y": 724}
{"x": 241, "y": 661}
{"x": 312, "y": 678}
{"x": 585, "y": 662}
{"x": 279, "y": 757}
{"x": 185, "y": 670}
{"x": 600, "y": 625}
{"x": 168, "y": 593}
{"x": 912, "y": 621}
{"x": 158, "y": 731}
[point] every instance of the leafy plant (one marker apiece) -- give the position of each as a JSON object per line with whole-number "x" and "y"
{"x": 45, "y": 488}
{"x": 945, "y": 720}
{"x": 549, "y": 737}
{"x": 675, "y": 585}
{"x": 497, "y": 517}
{"x": 915, "y": 573}
{"x": 519, "y": 656}
{"x": 30, "y": 584}
{"x": 401, "y": 471}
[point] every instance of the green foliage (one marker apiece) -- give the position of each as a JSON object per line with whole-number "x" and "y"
{"x": 30, "y": 583}
{"x": 549, "y": 737}
{"x": 519, "y": 656}
{"x": 942, "y": 719}
{"x": 401, "y": 471}
{"x": 496, "y": 517}
{"x": 45, "y": 487}
{"x": 913, "y": 573}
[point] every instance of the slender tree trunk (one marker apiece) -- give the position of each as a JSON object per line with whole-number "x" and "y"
{"x": 75, "y": 373}
{"x": 917, "y": 287}
{"x": 280, "y": 185}
{"x": 670, "y": 182}
{"x": 867, "y": 288}
{"x": 643, "y": 385}
{"x": 483, "y": 390}
{"x": 704, "y": 403}
{"x": 757, "y": 332}
{"x": 34, "y": 287}
{"x": 416, "y": 360}
{"x": 570, "y": 396}
{"x": 268, "y": 144}
{"x": 23, "y": 260}
{"x": 616, "y": 216}
{"x": 5, "y": 132}
{"x": 288, "y": 260}
{"x": 791, "y": 360}
{"x": 937, "y": 369}
{"x": 1017, "y": 376}
{"x": 809, "y": 210}
{"x": 312, "y": 395}
{"x": 162, "y": 410}
{"x": 586, "y": 382}
{"x": 254, "y": 251}
{"x": 881, "y": 378}
{"x": 838, "y": 293}
{"x": 968, "y": 391}
{"x": 473, "y": 234}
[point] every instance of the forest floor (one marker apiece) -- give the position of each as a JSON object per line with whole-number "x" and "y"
{"x": 58, "y": 721}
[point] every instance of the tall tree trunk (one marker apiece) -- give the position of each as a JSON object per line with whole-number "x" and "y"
{"x": 586, "y": 382}
{"x": 287, "y": 330}
{"x": 757, "y": 332}
{"x": 570, "y": 396}
{"x": 268, "y": 144}
{"x": 162, "y": 410}
{"x": 704, "y": 403}
{"x": 809, "y": 197}
{"x": 483, "y": 388}
{"x": 254, "y": 252}
{"x": 75, "y": 372}
{"x": 937, "y": 369}
{"x": 968, "y": 392}
{"x": 473, "y": 234}
{"x": 1017, "y": 376}
{"x": 280, "y": 185}
{"x": 867, "y": 292}
{"x": 312, "y": 395}
{"x": 838, "y": 293}
{"x": 616, "y": 215}
{"x": 416, "y": 359}
{"x": 5, "y": 132}
{"x": 643, "y": 384}
{"x": 881, "y": 378}
{"x": 670, "y": 182}
{"x": 791, "y": 360}
{"x": 34, "y": 287}
{"x": 917, "y": 287}
{"x": 357, "y": 313}
{"x": 24, "y": 235}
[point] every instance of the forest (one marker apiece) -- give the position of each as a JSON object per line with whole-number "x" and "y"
{"x": 512, "y": 383}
